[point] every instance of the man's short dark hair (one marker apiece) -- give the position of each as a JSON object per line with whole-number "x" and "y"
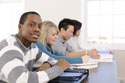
{"x": 24, "y": 16}
{"x": 77, "y": 26}
{"x": 64, "y": 23}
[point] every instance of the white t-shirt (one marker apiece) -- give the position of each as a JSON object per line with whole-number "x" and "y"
{"x": 73, "y": 42}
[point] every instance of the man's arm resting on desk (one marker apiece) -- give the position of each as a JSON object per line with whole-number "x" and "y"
{"x": 61, "y": 63}
{"x": 92, "y": 53}
{"x": 75, "y": 54}
{"x": 14, "y": 70}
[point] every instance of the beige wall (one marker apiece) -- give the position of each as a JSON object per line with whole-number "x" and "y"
{"x": 55, "y": 10}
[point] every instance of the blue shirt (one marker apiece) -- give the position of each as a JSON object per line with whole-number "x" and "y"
{"x": 57, "y": 55}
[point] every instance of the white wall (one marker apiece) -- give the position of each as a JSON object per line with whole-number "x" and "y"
{"x": 55, "y": 10}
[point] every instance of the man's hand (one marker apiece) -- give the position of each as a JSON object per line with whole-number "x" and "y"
{"x": 43, "y": 67}
{"x": 63, "y": 64}
{"x": 94, "y": 54}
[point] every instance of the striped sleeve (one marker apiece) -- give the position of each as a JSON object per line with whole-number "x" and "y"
{"x": 41, "y": 59}
{"x": 14, "y": 70}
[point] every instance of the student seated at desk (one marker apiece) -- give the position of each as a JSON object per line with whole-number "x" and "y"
{"x": 19, "y": 55}
{"x": 66, "y": 27}
{"x": 48, "y": 37}
{"x": 73, "y": 41}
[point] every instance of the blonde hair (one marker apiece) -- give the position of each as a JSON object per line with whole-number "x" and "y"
{"x": 45, "y": 31}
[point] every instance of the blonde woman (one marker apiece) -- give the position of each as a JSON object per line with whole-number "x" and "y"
{"x": 49, "y": 33}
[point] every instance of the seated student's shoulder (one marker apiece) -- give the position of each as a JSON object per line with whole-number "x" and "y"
{"x": 9, "y": 47}
{"x": 58, "y": 42}
{"x": 7, "y": 41}
{"x": 35, "y": 48}
{"x": 3, "y": 43}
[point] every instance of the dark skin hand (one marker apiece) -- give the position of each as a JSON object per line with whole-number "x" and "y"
{"x": 43, "y": 67}
{"x": 61, "y": 63}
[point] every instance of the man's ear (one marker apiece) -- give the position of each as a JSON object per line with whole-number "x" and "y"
{"x": 62, "y": 30}
{"x": 20, "y": 27}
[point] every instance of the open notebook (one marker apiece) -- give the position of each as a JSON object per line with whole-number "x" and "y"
{"x": 105, "y": 56}
{"x": 88, "y": 65}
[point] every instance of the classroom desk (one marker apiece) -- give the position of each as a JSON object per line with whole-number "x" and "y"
{"x": 105, "y": 73}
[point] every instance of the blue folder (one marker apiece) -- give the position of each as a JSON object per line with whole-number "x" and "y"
{"x": 72, "y": 76}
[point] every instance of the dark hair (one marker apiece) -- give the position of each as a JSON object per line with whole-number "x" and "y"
{"x": 64, "y": 23}
{"x": 24, "y": 16}
{"x": 77, "y": 26}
